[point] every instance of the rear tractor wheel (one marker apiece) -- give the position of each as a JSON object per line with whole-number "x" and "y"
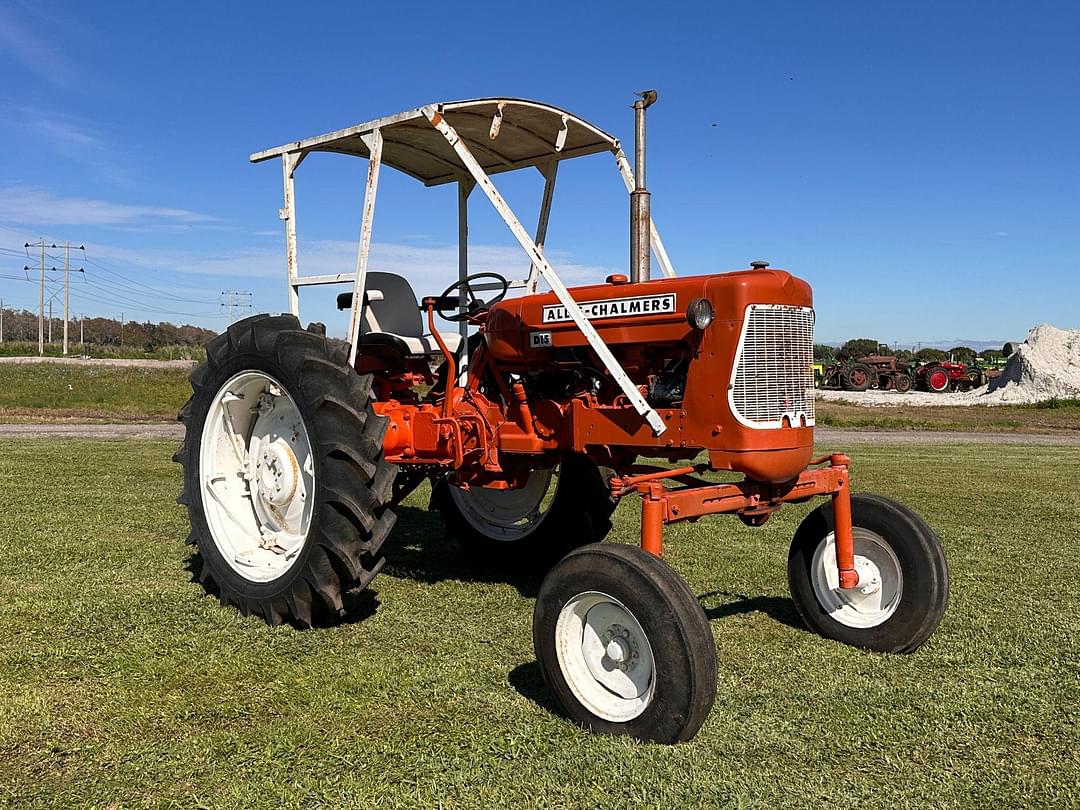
{"x": 903, "y": 578}
{"x": 937, "y": 380}
{"x": 858, "y": 377}
{"x": 556, "y": 511}
{"x": 284, "y": 480}
{"x": 624, "y": 645}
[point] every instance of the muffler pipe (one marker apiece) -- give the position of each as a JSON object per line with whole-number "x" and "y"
{"x": 640, "y": 215}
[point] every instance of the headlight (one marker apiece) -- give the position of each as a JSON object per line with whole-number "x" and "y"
{"x": 700, "y": 313}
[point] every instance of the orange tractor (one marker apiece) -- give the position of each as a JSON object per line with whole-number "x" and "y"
{"x": 532, "y": 421}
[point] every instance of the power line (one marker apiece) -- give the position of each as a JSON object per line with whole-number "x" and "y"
{"x": 155, "y": 290}
{"x": 236, "y": 302}
{"x": 124, "y": 290}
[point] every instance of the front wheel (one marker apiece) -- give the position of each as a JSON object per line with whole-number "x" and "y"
{"x": 624, "y": 645}
{"x": 903, "y": 577}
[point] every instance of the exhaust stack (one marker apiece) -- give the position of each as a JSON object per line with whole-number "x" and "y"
{"x": 640, "y": 216}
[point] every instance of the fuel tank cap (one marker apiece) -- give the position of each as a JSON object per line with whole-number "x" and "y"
{"x": 759, "y": 265}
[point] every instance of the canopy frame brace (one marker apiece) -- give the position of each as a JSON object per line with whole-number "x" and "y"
{"x": 622, "y": 379}
{"x": 472, "y": 175}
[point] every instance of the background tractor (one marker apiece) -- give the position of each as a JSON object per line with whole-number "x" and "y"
{"x": 942, "y": 376}
{"x": 538, "y": 418}
{"x": 883, "y": 371}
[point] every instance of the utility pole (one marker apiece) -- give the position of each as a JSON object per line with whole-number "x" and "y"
{"x": 236, "y": 301}
{"x": 1, "y": 320}
{"x": 41, "y": 294}
{"x": 67, "y": 287}
{"x": 41, "y": 299}
{"x": 82, "y": 320}
{"x": 121, "y": 330}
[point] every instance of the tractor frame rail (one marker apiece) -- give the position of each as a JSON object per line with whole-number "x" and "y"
{"x": 752, "y": 501}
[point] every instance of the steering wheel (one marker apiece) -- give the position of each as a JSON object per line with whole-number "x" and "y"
{"x": 450, "y": 299}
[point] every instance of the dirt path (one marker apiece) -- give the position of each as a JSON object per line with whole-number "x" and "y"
{"x": 829, "y": 436}
{"x": 150, "y": 430}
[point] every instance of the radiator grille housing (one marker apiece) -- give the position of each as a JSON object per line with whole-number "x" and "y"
{"x": 774, "y": 375}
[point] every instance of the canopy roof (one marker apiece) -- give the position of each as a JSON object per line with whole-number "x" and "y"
{"x": 502, "y": 133}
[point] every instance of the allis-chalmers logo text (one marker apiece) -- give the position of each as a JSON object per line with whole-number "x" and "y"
{"x": 615, "y": 307}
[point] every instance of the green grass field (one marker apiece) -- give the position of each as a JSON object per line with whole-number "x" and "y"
{"x": 50, "y": 392}
{"x": 125, "y": 686}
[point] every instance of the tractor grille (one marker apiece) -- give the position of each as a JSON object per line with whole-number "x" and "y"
{"x": 774, "y": 374}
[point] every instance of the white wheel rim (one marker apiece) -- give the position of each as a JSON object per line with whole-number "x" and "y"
{"x": 507, "y": 514}
{"x": 881, "y": 581}
{"x": 605, "y": 657}
{"x": 257, "y": 474}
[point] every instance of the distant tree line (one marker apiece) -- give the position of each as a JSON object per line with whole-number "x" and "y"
{"x": 23, "y": 325}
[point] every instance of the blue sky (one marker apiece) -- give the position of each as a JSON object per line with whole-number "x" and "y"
{"x": 917, "y": 162}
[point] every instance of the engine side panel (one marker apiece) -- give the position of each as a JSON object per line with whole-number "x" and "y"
{"x": 534, "y": 332}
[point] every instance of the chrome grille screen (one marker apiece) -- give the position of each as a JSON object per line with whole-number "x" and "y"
{"x": 774, "y": 375}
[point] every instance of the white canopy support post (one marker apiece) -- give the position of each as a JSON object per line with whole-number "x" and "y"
{"x": 374, "y": 141}
{"x": 654, "y": 235}
{"x": 465, "y": 187}
{"x": 549, "y": 170}
{"x": 289, "y": 162}
{"x": 550, "y": 276}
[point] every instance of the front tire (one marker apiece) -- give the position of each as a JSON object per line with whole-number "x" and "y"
{"x": 284, "y": 481}
{"x": 903, "y": 577}
{"x": 624, "y": 645}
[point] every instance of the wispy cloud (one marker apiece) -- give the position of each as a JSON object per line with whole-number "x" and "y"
{"x": 36, "y": 207}
{"x": 429, "y": 268}
{"x": 22, "y": 44}
{"x": 66, "y": 136}
{"x": 73, "y": 137}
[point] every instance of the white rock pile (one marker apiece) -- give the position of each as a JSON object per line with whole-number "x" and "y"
{"x": 1046, "y": 366}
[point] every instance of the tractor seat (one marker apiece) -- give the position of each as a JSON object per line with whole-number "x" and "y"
{"x": 391, "y": 317}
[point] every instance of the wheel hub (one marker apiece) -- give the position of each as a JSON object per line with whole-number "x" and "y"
{"x": 869, "y": 576}
{"x": 880, "y": 586}
{"x": 619, "y": 649}
{"x": 277, "y": 473}
{"x": 605, "y": 656}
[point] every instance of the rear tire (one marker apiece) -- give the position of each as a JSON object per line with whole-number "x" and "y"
{"x": 858, "y": 377}
{"x": 624, "y": 645}
{"x": 344, "y": 481}
{"x": 937, "y": 380}
{"x": 533, "y": 526}
{"x": 896, "y": 551}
